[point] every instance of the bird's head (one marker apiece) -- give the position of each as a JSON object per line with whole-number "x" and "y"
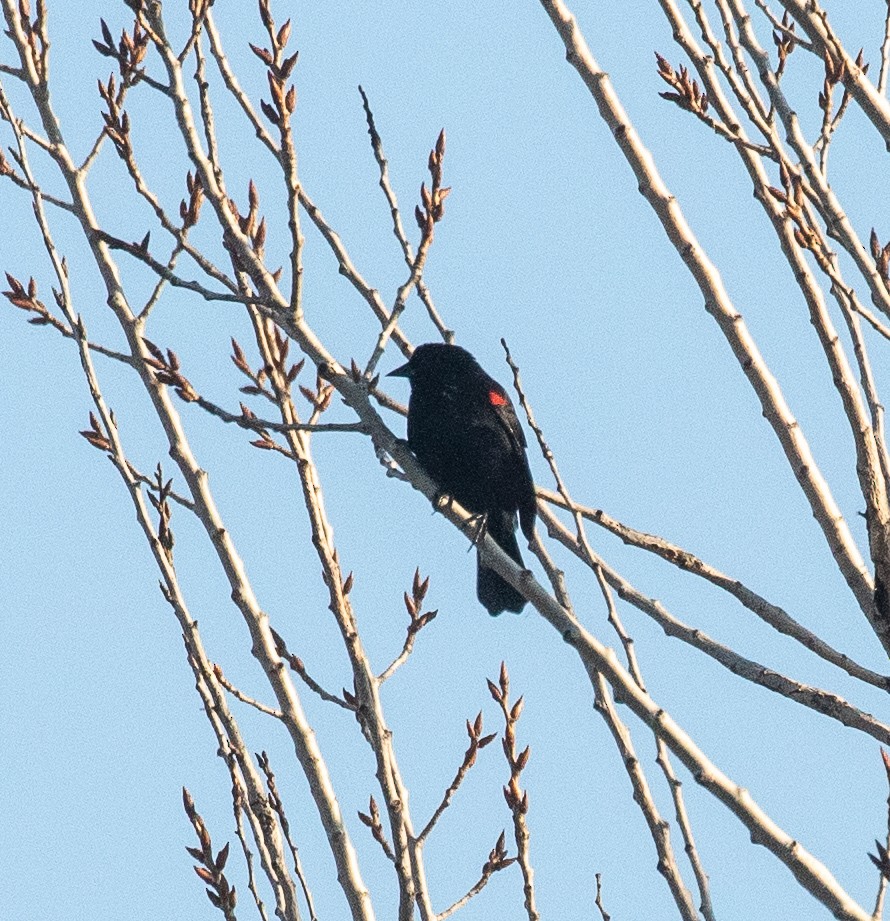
{"x": 437, "y": 363}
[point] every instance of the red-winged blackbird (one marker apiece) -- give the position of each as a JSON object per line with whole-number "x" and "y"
{"x": 463, "y": 429}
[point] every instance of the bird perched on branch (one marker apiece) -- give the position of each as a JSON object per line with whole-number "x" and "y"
{"x": 464, "y": 431}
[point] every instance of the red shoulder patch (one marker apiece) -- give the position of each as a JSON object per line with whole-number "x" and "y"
{"x": 496, "y": 399}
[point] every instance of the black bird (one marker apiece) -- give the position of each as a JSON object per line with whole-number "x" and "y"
{"x": 464, "y": 431}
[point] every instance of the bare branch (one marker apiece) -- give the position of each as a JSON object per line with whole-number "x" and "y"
{"x": 477, "y": 742}
{"x": 814, "y": 22}
{"x": 244, "y": 698}
{"x": 770, "y": 613}
{"x": 278, "y": 807}
{"x": 885, "y": 55}
{"x": 659, "y": 829}
{"x": 239, "y": 809}
{"x": 663, "y": 760}
{"x": 416, "y": 623}
{"x": 297, "y": 665}
{"x": 599, "y": 899}
{"x": 210, "y": 867}
{"x": 497, "y": 861}
{"x": 397, "y": 226}
{"x": 372, "y": 820}
{"x": 516, "y": 797}
{"x": 824, "y": 702}
{"x": 427, "y": 218}
{"x": 138, "y": 251}
{"x": 717, "y": 302}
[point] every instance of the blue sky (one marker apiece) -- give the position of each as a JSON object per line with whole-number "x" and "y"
{"x": 547, "y": 243}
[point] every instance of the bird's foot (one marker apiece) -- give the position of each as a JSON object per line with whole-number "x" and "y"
{"x": 477, "y": 527}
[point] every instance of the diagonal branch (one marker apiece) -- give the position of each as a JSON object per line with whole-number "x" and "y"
{"x": 664, "y": 762}
{"x": 477, "y": 742}
{"x": 821, "y": 701}
{"x": 814, "y": 21}
{"x": 770, "y": 613}
{"x": 730, "y": 321}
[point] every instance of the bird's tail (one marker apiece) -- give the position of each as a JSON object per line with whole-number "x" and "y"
{"x": 494, "y": 593}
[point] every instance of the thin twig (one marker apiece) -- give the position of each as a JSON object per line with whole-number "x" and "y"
{"x": 516, "y": 797}
{"x": 830, "y": 125}
{"x": 159, "y": 268}
{"x": 208, "y": 119}
{"x": 371, "y": 819}
{"x": 417, "y": 621}
{"x": 780, "y": 26}
{"x": 397, "y": 225}
{"x": 346, "y": 266}
{"x": 278, "y": 806}
{"x": 255, "y": 424}
{"x": 814, "y": 21}
{"x": 598, "y": 901}
{"x": 882, "y": 876}
{"x": 477, "y": 742}
{"x": 296, "y": 665}
{"x": 737, "y": 79}
{"x": 248, "y": 795}
{"x": 497, "y": 861}
{"x": 885, "y": 55}
{"x": 427, "y": 218}
{"x": 238, "y": 808}
{"x": 179, "y": 232}
{"x": 233, "y": 85}
{"x": 161, "y": 283}
{"x": 14, "y": 177}
{"x": 659, "y": 829}
{"x": 244, "y": 698}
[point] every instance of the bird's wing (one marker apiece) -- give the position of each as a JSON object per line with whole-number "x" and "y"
{"x": 503, "y": 407}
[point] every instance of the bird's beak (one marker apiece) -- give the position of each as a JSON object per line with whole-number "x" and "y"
{"x": 402, "y": 371}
